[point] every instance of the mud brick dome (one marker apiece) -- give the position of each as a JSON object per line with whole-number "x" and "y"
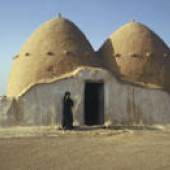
{"x": 133, "y": 52}
{"x": 140, "y": 55}
{"x": 57, "y": 47}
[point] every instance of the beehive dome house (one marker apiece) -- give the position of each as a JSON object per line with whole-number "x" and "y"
{"x": 56, "y": 48}
{"x": 125, "y": 82}
{"x": 140, "y": 54}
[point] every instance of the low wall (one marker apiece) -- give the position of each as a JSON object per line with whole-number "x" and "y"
{"x": 8, "y": 110}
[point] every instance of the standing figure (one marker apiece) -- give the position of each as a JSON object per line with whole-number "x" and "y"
{"x": 68, "y": 103}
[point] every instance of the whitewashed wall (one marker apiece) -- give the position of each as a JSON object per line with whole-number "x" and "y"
{"x": 124, "y": 104}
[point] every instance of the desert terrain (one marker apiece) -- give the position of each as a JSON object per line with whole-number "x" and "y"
{"x": 81, "y": 149}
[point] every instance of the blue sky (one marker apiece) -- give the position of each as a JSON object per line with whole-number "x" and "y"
{"x": 96, "y": 18}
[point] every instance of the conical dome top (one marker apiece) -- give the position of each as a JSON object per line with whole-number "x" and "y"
{"x": 140, "y": 55}
{"x": 57, "y": 47}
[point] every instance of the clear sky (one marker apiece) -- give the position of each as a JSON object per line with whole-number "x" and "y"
{"x": 96, "y": 18}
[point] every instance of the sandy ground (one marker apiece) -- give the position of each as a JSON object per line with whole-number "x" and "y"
{"x": 90, "y": 149}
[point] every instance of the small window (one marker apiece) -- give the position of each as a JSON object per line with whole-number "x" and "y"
{"x": 67, "y": 52}
{"x": 117, "y": 55}
{"x": 50, "y": 53}
{"x": 27, "y": 54}
{"x": 134, "y": 55}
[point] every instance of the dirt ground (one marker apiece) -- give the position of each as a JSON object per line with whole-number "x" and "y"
{"x": 84, "y": 150}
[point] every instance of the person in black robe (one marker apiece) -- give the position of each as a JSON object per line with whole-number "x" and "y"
{"x": 68, "y": 103}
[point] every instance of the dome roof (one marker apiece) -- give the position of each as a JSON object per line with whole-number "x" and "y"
{"x": 137, "y": 54}
{"x": 56, "y": 48}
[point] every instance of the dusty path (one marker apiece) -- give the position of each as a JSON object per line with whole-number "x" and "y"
{"x": 91, "y": 150}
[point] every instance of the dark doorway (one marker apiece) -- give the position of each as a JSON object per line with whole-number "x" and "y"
{"x": 94, "y": 103}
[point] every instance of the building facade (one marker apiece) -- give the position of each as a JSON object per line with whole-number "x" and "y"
{"x": 125, "y": 82}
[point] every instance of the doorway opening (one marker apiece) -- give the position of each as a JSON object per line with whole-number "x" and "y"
{"x": 94, "y": 103}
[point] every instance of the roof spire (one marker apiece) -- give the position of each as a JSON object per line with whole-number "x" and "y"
{"x": 132, "y": 20}
{"x": 59, "y": 15}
